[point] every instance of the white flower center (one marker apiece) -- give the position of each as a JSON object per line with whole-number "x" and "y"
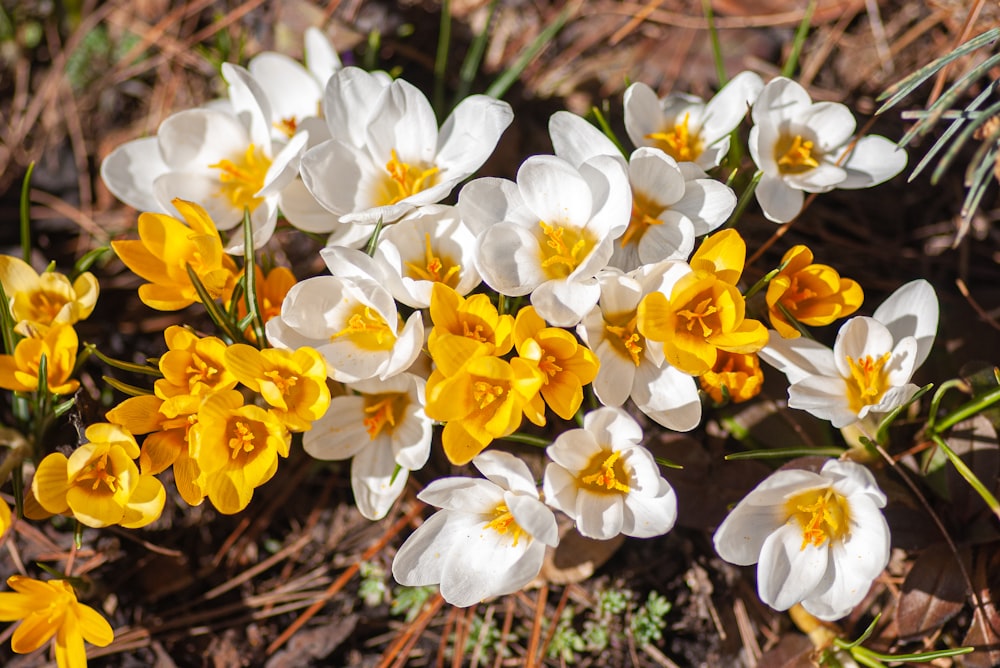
{"x": 383, "y": 411}
{"x": 606, "y": 473}
{"x": 367, "y": 329}
{"x": 795, "y": 155}
{"x": 868, "y": 382}
{"x": 624, "y": 337}
{"x": 434, "y": 268}
{"x": 562, "y": 249}
{"x": 403, "y": 180}
{"x": 503, "y": 522}
{"x": 679, "y": 142}
{"x": 822, "y": 514}
{"x": 243, "y": 177}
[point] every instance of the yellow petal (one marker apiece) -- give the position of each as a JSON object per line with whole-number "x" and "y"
{"x": 145, "y": 504}
{"x": 722, "y": 254}
{"x": 51, "y": 483}
{"x": 95, "y": 628}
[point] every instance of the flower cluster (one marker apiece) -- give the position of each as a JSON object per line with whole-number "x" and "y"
{"x": 595, "y": 274}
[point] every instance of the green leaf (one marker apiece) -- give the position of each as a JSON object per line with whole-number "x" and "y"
{"x": 800, "y": 39}
{"x": 503, "y": 83}
{"x": 474, "y": 57}
{"x": 441, "y": 60}
{"x": 25, "y": 212}
{"x": 125, "y": 388}
{"x": 787, "y": 453}
{"x": 250, "y": 283}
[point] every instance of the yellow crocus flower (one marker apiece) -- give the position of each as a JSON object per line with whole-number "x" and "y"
{"x": 19, "y": 372}
{"x": 813, "y": 294}
{"x": 38, "y": 301}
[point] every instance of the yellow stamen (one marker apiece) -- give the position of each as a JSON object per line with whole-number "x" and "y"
{"x": 563, "y": 249}
{"x": 678, "y": 142}
{"x": 379, "y": 414}
{"x": 609, "y": 473}
{"x": 701, "y": 311}
{"x": 796, "y": 294}
{"x": 287, "y": 126}
{"x": 98, "y": 472}
{"x": 242, "y": 439}
{"x": 438, "y": 269}
{"x": 794, "y": 155}
{"x": 243, "y": 178}
{"x": 368, "y": 330}
{"x": 644, "y": 216}
{"x": 405, "y": 179}
{"x": 822, "y": 514}
{"x": 503, "y": 522}
{"x": 283, "y": 383}
{"x": 626, "y": 339}
{"x": 485, "y": 394}
{"x": 868, "y": 380}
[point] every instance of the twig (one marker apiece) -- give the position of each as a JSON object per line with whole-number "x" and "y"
{"x": 536, "y": 627}
{"x": 397, "y": 654}
{"x": 970, "y": 20}
{"x": 975, "y": 305}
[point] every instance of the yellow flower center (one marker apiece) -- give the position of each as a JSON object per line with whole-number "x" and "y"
{"x": 45, "y": 305}
{"x": 404, "y": 180}
{"x": 241, "y": 439}
{"x": 626, "y": 340}
{"x": 503, "y": 523}
{"x": 243, "y": 177}
{"x": 97, "y": 471}
{"x": 645, "y": 214}
{"x": 287, "y": 126}
{"x": 678, "y": 142}
{"x": 796, "y": 294}
{"x": 381, "y": 411}
{"x": 548, "y": 365}
{"x": 607, "y": 473}
{"x": 562, "y": 249}
{"x": 868, "y": 381}
{"x": 283, "y": 383}
{"x": 822, "y": 514}
{"x": 201, "y": 371}
{"x": 367, "y": 330}
{"x": 437, "y": 269}
{"x": 703, "y": 310}
{"x": 794, "y": 155}
{"x": 485, "y": 393}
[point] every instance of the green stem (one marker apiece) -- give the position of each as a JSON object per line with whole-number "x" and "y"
{"x": 527, "y": 439}
{"x": 26, "y": 214}
{"x": 966, "y": 411}
{"x": 966, "y": 472}
{"x": 938, "y": 396}
{"x": 441, "y": 61}
{"x": 744, "y": 200}
{"x": 800, "y": 39}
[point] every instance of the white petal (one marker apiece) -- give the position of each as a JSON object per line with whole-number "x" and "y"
{"x": 564, "y": 303}
{"x": 250, "y": 104}
{"x": 470, "y": 133}
{"x": 728, "y": 107}
{"x": 484, "y": 202}
{"x": 872, "y": 161}
{"x": 667, "y": 396}
{"x": 292, "y": 91}
{"x": 799, "y": 358}
{"x": 321, "y": 58}
{"x": 534, "y": 517}
{"x": 489, "y": 565}
{"x": 375, "y": 481}
{"x": 304, "y": 212}
{"x": 420, "y": 560}
{"x": 613, "y": 426}
{"x": 643, "y": 114}
{"x": 349, "y": 101}
{"x": 615, "y": 377}
{"x": 560, "y": 488}
{"x": 852, "y": 478}
{"x": 576, "y": 140}
{"x": 858, "y": 338}
{"x": 129, "y": 172}
{"x": 196, "y": 138}
{"x": 404, "y": 121}
{"x": 334, "y": 172}
{"x": 818, "y": 179}
{"x": 779, "y": 201}
{"x": 654, "y": 175}
{"x": 554, "y": 191}
{"x": 607, "y": 180}
{"x": 672, "y": 240}
{"x": 339, "y": 434}
{"x": 574, "y": 449}
{"x": 787, "y": 572}
{"x": 507, "y": 471}
{"x": 831, "y": 122}
{"x": 780, "y": 101}
{"x": 825, "y": 397}
{"x": 285, "y": 166}
{"x": 507, "y": 257}
{"x": 204, "y": 189}
{"x": 409, "y": 344}
{"x": 648, "y": 516}
{"x": 465, "y": 495}
{"x": 599, "y": 515}
{"x": 741, "y": 535}
{"x": 707, "y": 203}
{"x": 912, "y": 310}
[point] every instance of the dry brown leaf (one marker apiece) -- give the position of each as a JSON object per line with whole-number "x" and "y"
{"x": 792, "y": 651}
{"x": 984, "y": 632}
{"x": 934, "y": 591}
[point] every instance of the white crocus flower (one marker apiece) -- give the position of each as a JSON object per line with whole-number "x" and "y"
{"x": 631, "y": 365}
{"x": 603, "y": 478}
{"x": 387, "y": 155}
{"x": 684, "y": 126}
{"x": 487, "y": 540}
{"x": 381, "y": 426}
{"x": 551, "y": 232}
{"x": 672, "y": 203}
{"x": 802, "y": 146}
{"x": 352, "y": 323}
{"x": 431, "y": 245}
{"x": 818, "y": 539}
{"x": 225, "y": 162}
{"x": 868, "y": 370}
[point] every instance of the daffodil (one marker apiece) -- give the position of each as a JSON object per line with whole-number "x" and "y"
{"x": 51, "y": 610}
{"x": 813, "y": 294}
{"x": 237, "y": 448}
{"x": 551, "y": 232}
{"x": 603, "y": 478}
{"x": 352, "y": 323}
{"x": 632, "y": 366}
{"x": 225, "y": 160}
{"x": 487, "y": 540}
{"x": 38, "y": 301}
{"x": 479, "y": 397}
{"x": 735, "y": 376}
{"x": 818, "y": 539}
{"x": 703, "y": 311}
{"x": 382, "y": 427}
{"x": 293, "y": 383}
{"x": 672, "y": 202}
{"x": 430, "y": 245}
{"x": 99, "y": 483}
{"x": 166, "y": 247}
{"x": 566, "y": 364}
{"x": 868, "y": 371}
{"x": 684, "y": 126}
{"x": 387, "y": 155}
{"x": 802, "y": 146}
{"x": 20, "y": 371}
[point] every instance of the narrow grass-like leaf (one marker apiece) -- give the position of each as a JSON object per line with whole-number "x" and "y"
{"x": 63, "y": 407}
{"x": 506, "y": 79}
{"x": 125, "y": 388}
{"x": 131, "y": 367}
{"x": 896, "y": 92}
{"x": 713, "y": 38}
{"x": 765, "y": 279}
{"x": 250, "y": 283}
{"x": 373, "y": 241}
{"x": 970, "y": 477}
{"x": 87, "y": 261}
{"x": 744, "y": 200}
{"x": 786, "y": 453}
{"x": 441, "y": 59}
{"x": 966, "y": 410}
{"x": 977, "y": 187}
{"x": 214, "y": 311}
{"x": 374, "y": 44}
{"x": 920, "y": 657}
{"x": 863, "y": 637}
{"x": 474, "y": 57}
{"x": 982, "y": 156}
{"x": 950, "y": 97}
{"x": 967, "y": 132}
{"x": 602, "y": 122}
{"x": 26, "y": 213}
{"x": 800, "y": 38}
{"x": 7, "y": 323}
{"x": 949, "y": 133}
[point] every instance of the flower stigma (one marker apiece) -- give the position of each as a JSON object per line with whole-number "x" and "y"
{"x": 645, "y": 214}
{"x": 795, "y": 155}
{"x": 485, "y": 393}
{"x": 437, "y": 269}
{"x": 380, "y": 414}
{"x": 608, "y": 473}
{"x": 562, "y": 249}
{"x": 98, "y": 472}
{"x": 243, "y": 178}
{"x": 503, "y": 522}
{"x": 678, "y": 142}
{"x": 823, "y": 514}
{"x": 242, "y": 439}
{"x": 626, "y": 340}
{"x": 367, "y": 330}
{"x": 405, "y": 180}
{"x": 868, "y": 380}
{"x": 703, "y": 310}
